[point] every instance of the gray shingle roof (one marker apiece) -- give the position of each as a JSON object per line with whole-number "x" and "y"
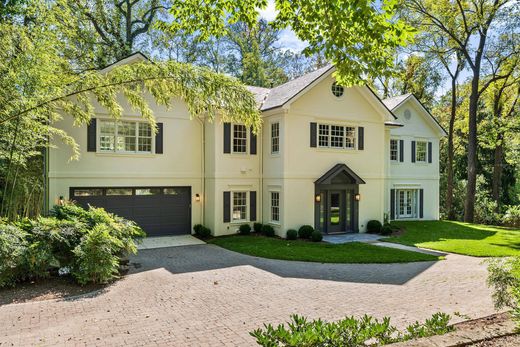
{"x": 278, "y": 96}
{"x": 392, "y": 103}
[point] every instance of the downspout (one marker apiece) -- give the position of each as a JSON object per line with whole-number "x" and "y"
{"x": 203, "y": 168}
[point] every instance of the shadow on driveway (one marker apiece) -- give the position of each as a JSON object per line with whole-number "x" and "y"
{"x": 186, "y": 259}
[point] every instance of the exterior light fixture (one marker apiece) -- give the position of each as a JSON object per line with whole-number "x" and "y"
{"x": 197, "y": 197}
{"x": 357, "y": 197}
{"x": 317, "y": 198}
{"x": 61, "y": 201}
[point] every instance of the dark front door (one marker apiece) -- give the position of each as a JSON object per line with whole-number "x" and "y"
{"x": 336, "y": 215}
{"x": 159, "y": 211}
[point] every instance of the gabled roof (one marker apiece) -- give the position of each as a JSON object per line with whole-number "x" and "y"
{"x": 339, "y": 169}
{"x": 132, "y": 58}
{"x": 397, "y": 101}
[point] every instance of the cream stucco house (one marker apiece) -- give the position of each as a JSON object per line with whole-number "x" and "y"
{"x": 327, "y": 156}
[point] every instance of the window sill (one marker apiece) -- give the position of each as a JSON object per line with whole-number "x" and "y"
{"x": 239, "y": 222}
{"x": 336, "y": 150}
{"x": 276, "y": 224}
{"x": 123, "y": 154}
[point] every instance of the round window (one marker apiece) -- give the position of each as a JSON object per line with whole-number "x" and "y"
{"x": 407, "y": 114}
{"x": 337, "y": 90}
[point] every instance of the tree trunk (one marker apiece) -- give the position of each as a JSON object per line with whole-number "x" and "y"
{"x": 451, "y": 154}
{"x": 469, "y": 205}
{"x": 497, "y": 171}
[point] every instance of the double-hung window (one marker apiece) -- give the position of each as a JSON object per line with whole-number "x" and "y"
{"x": 125, "y": 137}
{"x": 420, "y": 151}
{"x": 394, "y": 150}
{"x": 275, "y": 138}
{"x": 275, "y": 207}
{"x": 336, "y": 136}
{"x": 239, "y": 138}
{"x": 239, "y": 207}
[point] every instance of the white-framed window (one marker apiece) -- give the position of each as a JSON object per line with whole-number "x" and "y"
{"x": 239, "y": 138}
{"x": 275, "y": 138}
{"x": 420, "y": 151}
{"x": 407, "y": 203}
{"x": 125, "y": 136}
{"x": 337, "y": 90}
{"x": 394, "y": 150}
{"x": 239, "y": 206}
{"x": 275, "y": 207}
{"x": 336, "y": 136}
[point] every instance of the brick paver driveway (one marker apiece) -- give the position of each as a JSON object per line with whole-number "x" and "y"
{"x": 204, "y": 295}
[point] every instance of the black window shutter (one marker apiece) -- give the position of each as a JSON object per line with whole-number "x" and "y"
{"x": 159, "y": 139}
{"x": 392, "y": 204}
{"x": 227, "y": 207}
{"x": 91, "y": 136}
{"x": 313, "y": 134}
{"x": 252, "y": 206}
{"x": 361, "y": 138}
{"x": 252, "y": 149}
{"x": 429, "y": 152}
{"x": 401, "y": 151}
{"x": 413, "y": 151}
{"x": 227, "y": 137}
{"x": 421, "y": 203}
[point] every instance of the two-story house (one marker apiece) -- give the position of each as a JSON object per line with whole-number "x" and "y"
{"x": 328, "y": 156}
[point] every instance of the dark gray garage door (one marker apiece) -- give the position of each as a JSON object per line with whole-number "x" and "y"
{"x": 158, "y": 210}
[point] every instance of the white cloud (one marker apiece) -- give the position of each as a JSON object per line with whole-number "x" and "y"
{"x": 269, "y": 13}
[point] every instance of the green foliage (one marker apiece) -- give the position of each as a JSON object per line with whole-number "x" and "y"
{"x": 89, "y": 243}
{"x": 374, "y": 226}
{"x": 291, "y": 234}
{"x": 245, "y": 229}
{"x": 95, "y": 257}
{"x": 512, "y": 216}
{"x": 305, "y": 232}
{"x": 504, "y": 278}
{"x": 257, "y": 227}
{"x": 201, "y": 231}
{"x": 370, "y": 33}
{"x": 13, "y": 248}
{"x": 348, "y": 332}
{"x": 268, "y": 230}
{"x": 386, "y": 230}
{"x": 316, "y": 236}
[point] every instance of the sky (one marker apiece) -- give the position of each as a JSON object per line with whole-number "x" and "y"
{"x": 288, "y": 40}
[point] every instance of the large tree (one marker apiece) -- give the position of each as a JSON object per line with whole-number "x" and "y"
{"x": 476, "y": 26}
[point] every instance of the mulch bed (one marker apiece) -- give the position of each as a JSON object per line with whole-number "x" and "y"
{"x": 45, "y": 289}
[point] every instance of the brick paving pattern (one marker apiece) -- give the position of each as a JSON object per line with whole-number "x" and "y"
{"x": 206, "y": 296}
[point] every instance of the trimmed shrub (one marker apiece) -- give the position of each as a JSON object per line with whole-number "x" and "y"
{"x": 374, "y": 227}
{"x": 386, "y": 230}
{"x": 245, "y": 229}
{"x": 96, "y": 260}
{"x": 305, "y": 232}
{"x": 268, "y": 230}
{"x": 291, "y": 234}
{"x": 13, "y": 248}
{"x": 316, "y": 236}
{"x": 201, "y": 231}
{"x": 257, "y": 227}
{"x": 512, "y": 216}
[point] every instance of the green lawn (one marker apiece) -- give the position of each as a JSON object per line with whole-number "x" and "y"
{"x": 463, "y": 238}
{"x": 352, "y": 252}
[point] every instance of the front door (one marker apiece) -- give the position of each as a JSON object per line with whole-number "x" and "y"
{"x": 336, "y": 212}
{"x": 406, "y": 203}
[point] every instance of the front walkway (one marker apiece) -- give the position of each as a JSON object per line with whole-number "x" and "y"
{"x": 204, "y": 295}
{"x": 169, "y": 241}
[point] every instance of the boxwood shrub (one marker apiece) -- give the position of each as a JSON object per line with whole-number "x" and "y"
{"x": 201, "y": 231}
{"x": 268, "y": 230}
{"x": 305, "y": 232}
{"x": 257, "y": 227}
{"x": 387, "y": 230}
{"x": 316, "y": 236}
{"x": 245, "y": 229}
{"x": 291, "y": 234}
{"x": 374, "y": 227}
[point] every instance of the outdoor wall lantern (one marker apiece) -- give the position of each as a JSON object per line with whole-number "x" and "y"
{"x": 197, "y": 197}
{"x": 357, "y": 197}
{"x": 61, "y": 201}
{"x": 317, "y": 197}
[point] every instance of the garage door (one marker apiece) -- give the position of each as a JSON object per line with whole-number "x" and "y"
{"x": 159, "y": 211}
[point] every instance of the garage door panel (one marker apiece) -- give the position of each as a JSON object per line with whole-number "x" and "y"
{"x": 158, "y": 214}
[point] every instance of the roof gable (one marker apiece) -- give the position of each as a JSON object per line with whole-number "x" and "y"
{"x": 343, "y": 173}
{"x": 132, "y": 58}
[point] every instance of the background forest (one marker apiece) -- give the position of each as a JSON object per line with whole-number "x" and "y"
{"x": 460, "y": 58}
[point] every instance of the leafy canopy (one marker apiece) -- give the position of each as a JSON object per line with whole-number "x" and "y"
{"x": 359, "y": 37}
